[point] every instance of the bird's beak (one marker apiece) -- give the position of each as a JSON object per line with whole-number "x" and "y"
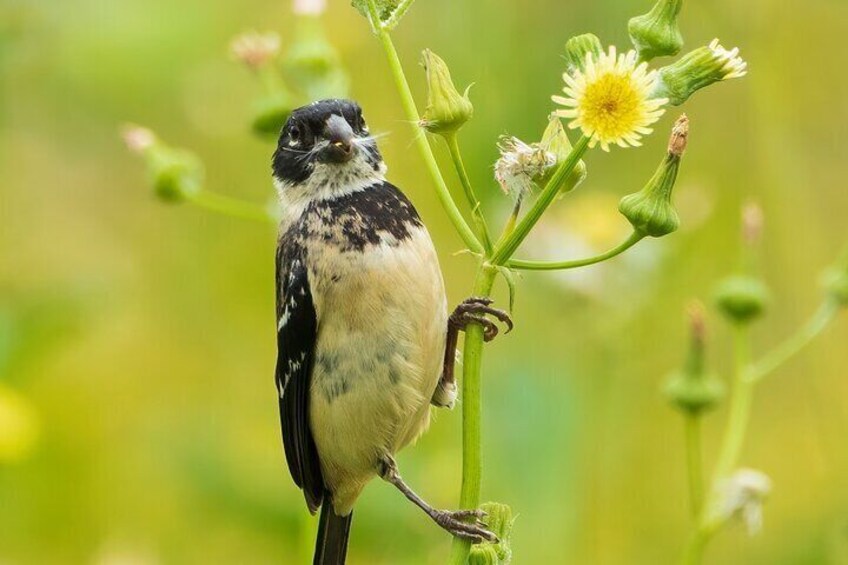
{"x": 339, "y": 136}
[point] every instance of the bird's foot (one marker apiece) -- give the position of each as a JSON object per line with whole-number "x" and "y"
{"x": 474, "y": 310}
{"x": 459, "y": 524}
{"x": 445, "y": 395}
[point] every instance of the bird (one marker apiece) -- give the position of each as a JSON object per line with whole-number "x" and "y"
{"x": 365, "y": 344}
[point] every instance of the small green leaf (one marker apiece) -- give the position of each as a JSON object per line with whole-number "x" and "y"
{"x": 384, "y": 7}
{"x": 509, "y": 277}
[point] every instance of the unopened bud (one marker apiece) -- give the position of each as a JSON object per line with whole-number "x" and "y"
{"x": 650, "y": 210}
{"x": 176, "y": 174}
{"x": 255, "y": 49}
{"x": 313, "y": 63}
{"x": 698, "y": 69}
{"x": 692, "y": 389}
{"x": 499, "y": 520}
{"x": 483, "y": 554}
{"x": 578, "y": 47}
{"x": 270, "y": 113}
{"x": 555, "y": 141}
{"x": 447, "y": 110}
{"x": 836, "y": 281}
{"x": 656, "y": 33}
{"x": 742, "y": 298}
{"x": 752, "y": 223}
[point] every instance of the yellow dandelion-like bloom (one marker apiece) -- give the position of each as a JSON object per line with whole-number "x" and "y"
{"x": 610, "y": 99}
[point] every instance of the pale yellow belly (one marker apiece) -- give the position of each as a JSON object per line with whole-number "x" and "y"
{"x": 382, "y": 319}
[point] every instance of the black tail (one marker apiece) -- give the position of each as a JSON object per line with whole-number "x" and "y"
{"x": 333, "y": 533}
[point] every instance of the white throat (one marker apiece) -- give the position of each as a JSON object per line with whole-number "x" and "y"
{"x": 327, "y": 182}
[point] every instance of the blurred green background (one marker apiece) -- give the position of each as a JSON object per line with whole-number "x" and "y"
{"x": 138, "y": 421}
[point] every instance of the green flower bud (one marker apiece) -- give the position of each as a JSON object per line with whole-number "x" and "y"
{"x": 313, "y": 63}
{"x": 556, "y": 141}
{"x": 742, "y": 298}
{"x": 836, "y": 281}
{"x": 483, "y": 554}
{"x": 578, "y": 47}
{"x": 656, "y": 34}
{"x": 500, "y": 521}
{"x": 175, "y": 174}
{"x": 447, "y": 110}
{"x": 692, "y": 390}
{"x": 650, "y": 210}
{"x": 698, "y": 69}
{"x": 270, "y": 114}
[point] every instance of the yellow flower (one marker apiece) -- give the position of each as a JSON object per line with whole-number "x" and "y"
{"x": 610, "y": 100}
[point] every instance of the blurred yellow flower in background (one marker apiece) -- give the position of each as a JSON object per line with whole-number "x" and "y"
{"x": 19, "y": 426}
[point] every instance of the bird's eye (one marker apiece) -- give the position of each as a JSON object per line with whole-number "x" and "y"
{"x": 294, "y": 133}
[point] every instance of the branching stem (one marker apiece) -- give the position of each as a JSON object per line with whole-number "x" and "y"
{"x": 528, "y": 265}
{"x": 229, "y": 206}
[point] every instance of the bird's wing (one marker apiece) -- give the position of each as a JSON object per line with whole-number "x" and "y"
{"x": 296, "y": 333}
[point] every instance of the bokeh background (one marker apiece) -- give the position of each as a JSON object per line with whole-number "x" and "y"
{"x": 138, "y": 421}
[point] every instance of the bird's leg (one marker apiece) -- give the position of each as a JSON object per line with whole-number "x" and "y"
{"x": 452, "y": 521}
{"x": 470, "y": 311}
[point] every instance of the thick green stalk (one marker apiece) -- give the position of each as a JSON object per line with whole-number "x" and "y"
{"x": 228, "y": 206}
{"x": 409, "y": 107}
{"x": 472, "y": 409}
{"x": 470, "y": 195}
{"x": 694, "y": 463}
{"x": 632, "y": 240}
{"x": 506, "y": 248}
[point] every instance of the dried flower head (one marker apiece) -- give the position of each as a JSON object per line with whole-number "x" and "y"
{"x": 611, "y": 100}
{"x": 309, "y": 7}
{"x": 255, "y": 49}
{"x": 520, "y": 165}
{"x": 137, "y": 138}
{"x": 753, "y": 220}
{"x": 742, "y": 496}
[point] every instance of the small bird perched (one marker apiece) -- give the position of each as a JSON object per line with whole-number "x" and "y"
{"x": 365, "y": 343}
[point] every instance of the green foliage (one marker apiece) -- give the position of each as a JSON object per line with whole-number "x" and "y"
{"x": 385, "y": 8}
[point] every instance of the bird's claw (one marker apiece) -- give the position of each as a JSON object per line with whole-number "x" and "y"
{"x": 474, "y": 310}
{"x": 456, "y": 523}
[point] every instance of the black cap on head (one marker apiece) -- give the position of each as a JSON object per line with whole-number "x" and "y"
{"x": 328, "y": 131}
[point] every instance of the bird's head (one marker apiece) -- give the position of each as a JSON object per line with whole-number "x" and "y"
{"x": 326, "y": 144}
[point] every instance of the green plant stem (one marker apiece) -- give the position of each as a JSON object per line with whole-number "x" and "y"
{"x": 731, "y": 445}
{"x": 792, "y": 346}
{"x": 528, "y": 265}
{"x": 409, "y": 107}
{"x": 228, "y": 206}
{"x": 746, "y": 377}
{"x": 472, "y": 409}
{"x": 694, "y": 462}
{"x": 508, "y": 246}
{"x": 470, "y": 195}
{"x": 740, "y": 406}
